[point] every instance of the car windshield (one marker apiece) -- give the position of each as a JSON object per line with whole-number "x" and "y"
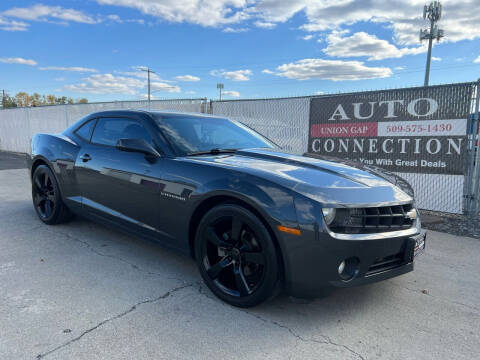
{"x": 204, "y": 134}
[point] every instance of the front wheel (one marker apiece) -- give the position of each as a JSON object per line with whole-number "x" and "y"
{"x": 46, "y": 197}
{"x": 236, "y": 256}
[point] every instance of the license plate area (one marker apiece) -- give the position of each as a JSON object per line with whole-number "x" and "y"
{"x": 419, "y": 247}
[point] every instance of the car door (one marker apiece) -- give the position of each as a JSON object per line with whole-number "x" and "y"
{"x": 116, "y": 185}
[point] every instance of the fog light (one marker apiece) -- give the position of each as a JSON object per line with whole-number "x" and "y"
{"x": 348, "y": 268}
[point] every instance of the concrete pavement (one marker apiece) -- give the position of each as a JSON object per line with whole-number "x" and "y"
{"x": 9, "y": 160}
{"x": 83, "y": 291}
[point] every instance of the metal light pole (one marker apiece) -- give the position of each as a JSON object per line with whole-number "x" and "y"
{"x": 148, "y": 80}
{"x": 433, "y": 12}
{"x": 220, "y": 86}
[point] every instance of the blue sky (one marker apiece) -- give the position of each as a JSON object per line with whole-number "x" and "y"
{"x": 264, "y": 48}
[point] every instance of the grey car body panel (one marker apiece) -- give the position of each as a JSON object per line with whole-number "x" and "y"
{"x": 157, "y": 198}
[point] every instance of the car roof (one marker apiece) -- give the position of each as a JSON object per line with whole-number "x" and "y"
{"x": 156, "y": 113}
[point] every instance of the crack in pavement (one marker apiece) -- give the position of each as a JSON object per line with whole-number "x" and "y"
{"x": 327, "y": 339}
{"x": 437, "y": 297}
{"x": 118, "y": 316}
{"x": 95, "y": 251}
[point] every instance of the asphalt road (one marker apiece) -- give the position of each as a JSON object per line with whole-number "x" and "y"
{"x": 9, "y": 160}
{"x": 82, "y": 291}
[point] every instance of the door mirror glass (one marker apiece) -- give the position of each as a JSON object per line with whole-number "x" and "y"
{"x": 137, "y": 145}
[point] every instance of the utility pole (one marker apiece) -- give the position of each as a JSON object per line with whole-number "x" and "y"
{"x": 220, "y": 86}
{"x": 148, "y": 71}
{"x": 432, "y": 12}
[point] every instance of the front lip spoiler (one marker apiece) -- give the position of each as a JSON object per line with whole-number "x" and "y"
{"x": 415, "y": 230}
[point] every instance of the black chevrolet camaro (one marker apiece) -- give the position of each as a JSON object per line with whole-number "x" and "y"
{"x": 257, "y": 220}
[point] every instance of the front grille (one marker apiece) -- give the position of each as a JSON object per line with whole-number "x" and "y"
{"x": 372, "y": 219}
{"x": 386, "y": 263}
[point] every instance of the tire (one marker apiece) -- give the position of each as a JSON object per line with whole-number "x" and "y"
{"x": 236, "y": 256}
{"x": 46, "y": 197}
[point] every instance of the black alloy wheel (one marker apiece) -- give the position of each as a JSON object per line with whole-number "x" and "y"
{"x": 46, "y": 197}
{"x": 236, "y": 256}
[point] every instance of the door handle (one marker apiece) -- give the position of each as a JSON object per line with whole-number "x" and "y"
{"x": 85, "y": 157}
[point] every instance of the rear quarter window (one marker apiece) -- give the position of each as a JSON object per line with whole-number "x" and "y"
{"x": 109, "y": 130}
{"x": 85, "y": 131}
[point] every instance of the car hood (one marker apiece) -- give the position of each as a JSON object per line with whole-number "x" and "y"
{"x": 337, "y": 183}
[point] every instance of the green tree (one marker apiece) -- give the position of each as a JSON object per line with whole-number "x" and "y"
{"x": 9, "y": 102}
{"x": 36, "y": 99}
{"x": 22, "y": 99}
{"x": 61, "y": 100}
{"x": 51, "y": 99}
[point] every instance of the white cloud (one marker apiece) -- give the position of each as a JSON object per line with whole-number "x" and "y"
{"x": 205, "y": 13}
{"x": 235, "y": 30}
{"x": 139, "y": 72}
{"x": 282, "y": 10}
{"x": 231, "y": 93}
{"x": 477, "y": 60}
{"x": 18, "y": 60}
{"x": 115, "y": 18}
{"x": 137, "y": 21}
{"x": 13, "y": 25}
{"x": 42, "y": 12}
{"x": 265, "y": 24}
{"x": 362, "y": 44}
{"x": 266, "y": 71}
{"x": 434, "y": 58}
{"x": 190, "y": 92}
{"x": 111, "y": 84}
{"x": 238, "y": 75}
{"x": 336, "y": 70}
{"x": 145, "y": 96}
{"x": 399, "y": 68}
{"x": 161, "y": 86}
{"x": 458, "y": 19}
{"x": 72, "y": 69}
{"x": 187, "y": 78}
{"x": 308, "y": 37}
{"x": 60, "y": 79}
{"x": 319, "y": 92}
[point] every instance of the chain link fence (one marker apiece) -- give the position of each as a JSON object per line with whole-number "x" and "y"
{"x": 284, "y": 120}
{"x": 472, "y": 174}
{"x": 426, "y": 148}
{"x": 18, "y": 125}
{"x": 288, "y": 122}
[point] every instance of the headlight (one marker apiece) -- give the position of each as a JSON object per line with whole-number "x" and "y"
{"x": 329, "y": 215}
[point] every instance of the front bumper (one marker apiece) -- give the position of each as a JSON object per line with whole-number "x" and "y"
{"x": 312, "y": 261}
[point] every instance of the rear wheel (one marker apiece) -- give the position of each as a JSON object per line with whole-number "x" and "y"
{"x": 236, "y": 256}
{"x": 46, "y": 197}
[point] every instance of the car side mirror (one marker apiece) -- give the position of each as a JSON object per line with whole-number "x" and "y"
{"x": 137, "y": 145}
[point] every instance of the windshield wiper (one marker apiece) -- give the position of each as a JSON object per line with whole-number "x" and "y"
{"x": 214, "y": 151}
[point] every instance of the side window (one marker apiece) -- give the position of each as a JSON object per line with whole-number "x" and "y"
{"x": 85, "y": 131}
{"x": 109, "y": 130}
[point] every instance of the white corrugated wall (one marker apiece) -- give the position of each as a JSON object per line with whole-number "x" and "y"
{"x": 17, "y": 126}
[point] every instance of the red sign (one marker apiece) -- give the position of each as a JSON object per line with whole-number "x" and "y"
{"x": 344, "y": 130}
